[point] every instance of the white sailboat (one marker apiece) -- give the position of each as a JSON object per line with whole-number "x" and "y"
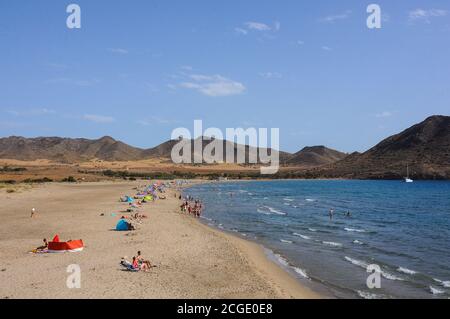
{"x": 407, "y": 179}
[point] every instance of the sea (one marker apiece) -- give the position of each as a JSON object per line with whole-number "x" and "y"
{"x": 386, "y": 239}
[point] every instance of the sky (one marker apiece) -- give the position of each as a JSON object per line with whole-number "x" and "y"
{"x": 136, "y": 70}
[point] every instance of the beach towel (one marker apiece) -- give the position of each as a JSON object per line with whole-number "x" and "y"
{"x": 128, "y": 266}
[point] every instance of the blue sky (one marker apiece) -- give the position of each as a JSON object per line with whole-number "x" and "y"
{"x": 138, "y": 69}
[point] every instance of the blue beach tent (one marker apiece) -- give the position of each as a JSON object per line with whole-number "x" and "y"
{"x": 122, "y": 225}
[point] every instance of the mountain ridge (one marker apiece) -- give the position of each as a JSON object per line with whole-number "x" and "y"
{"x": 74, "y": 150}
{"x": 424, "y": 147}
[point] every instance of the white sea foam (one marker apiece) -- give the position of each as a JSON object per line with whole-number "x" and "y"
{"x": 446, "y": 284}
{"x": 436, "y": 291}
{"x": 406, "y": 271}
{"x": 354, "y": 230}
{"x": 301, "y": 272}
{"x": 357, "y": 262}
{"x": 331, "y": 243}
{"x": 288, "y": 199}
{"x": 358, "y": 242}
{"x": 275, "y": 211}
{"x": 310, "y": 200}
{"x": 262, "y": 211}
{"x": 282, "y": 260}
{"x": 302, "y": 236}
{"x": 286, "y": 241}
{"x": 364, "y": 265}
{"x": 390, "y": 276}
{"x": 368, "y": 295}
{"x": 312, "y": 229}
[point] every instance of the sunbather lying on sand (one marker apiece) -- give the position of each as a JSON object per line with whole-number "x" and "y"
{"x": 42, "y": 248}
{"x": 137, "y": 215}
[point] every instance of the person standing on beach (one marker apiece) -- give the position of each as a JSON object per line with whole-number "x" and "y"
{"x": 33, "y": 212}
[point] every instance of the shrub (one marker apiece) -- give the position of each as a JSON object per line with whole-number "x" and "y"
{"x": 69, "y": 179}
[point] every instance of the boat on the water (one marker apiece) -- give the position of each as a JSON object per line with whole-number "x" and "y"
{"x": 407, "y": 178}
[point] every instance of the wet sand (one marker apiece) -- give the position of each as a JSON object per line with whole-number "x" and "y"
{"x": 192, "y": 259}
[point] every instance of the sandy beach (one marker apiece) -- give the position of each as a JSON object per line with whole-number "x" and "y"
{"x": 193, "y": 260}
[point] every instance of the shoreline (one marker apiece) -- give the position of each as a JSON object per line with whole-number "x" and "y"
{"x": 262, "y": 262}
{"x": 280, "y": 279}
{"x": 193, "y": 260}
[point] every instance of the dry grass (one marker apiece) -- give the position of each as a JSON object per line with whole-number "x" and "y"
{"x": 10, "y": 189}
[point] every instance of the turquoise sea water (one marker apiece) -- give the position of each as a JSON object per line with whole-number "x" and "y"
{"x": 403, "y": 228}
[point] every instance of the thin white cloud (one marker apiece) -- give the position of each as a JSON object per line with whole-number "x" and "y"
{"x": 257, "y": 26}
{"x": 277, "y": 26}
{"x": 384, "y": 114}
{"x": 426, "y": 15}
{"x": 86, "y": 82}
{"x": 118, "y": 50}
{"x": 336, "y": 17}
{"x": 300, "y": 42}
{"x": 101, "y": 119}
{"x": 31, "y": 112}
{"x": 151, "y": 87}
{"x": 241, "y": 31}
{"x": 271, "y": 75}
{"x": 90, "y": 82}
{"x": 59, "y": 66}
{"x": 213, "y": 85}
{"x": 326, "y": 48}
{"x": 12, "y": 125}
{"x": 154, "y": 120}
